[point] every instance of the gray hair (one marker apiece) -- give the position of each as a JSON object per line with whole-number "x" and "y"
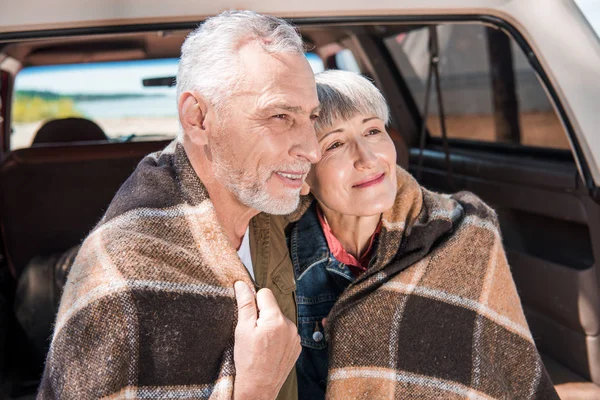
{"x": 345, "y": 94}
{"x": 209, "y": 62}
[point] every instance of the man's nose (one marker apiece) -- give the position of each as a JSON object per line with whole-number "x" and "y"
{"x": 305, "y": 145}
{"x": 365, "y": 157}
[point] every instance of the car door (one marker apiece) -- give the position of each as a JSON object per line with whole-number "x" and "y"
{"x": 507, "y": 143}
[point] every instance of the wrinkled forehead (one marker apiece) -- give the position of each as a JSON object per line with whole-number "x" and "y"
{"x": 276, "y": 78}
{"x": 256, "y": 64}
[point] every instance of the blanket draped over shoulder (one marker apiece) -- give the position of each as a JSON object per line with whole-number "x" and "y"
{"x": 437, "y": 314}
{"x": 148, "y": 310}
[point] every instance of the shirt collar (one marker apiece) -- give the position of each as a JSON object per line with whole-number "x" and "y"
{"x": 335, "y": 246}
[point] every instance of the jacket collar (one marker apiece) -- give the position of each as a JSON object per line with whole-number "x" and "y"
{"x": 308, "y": 247}
{"x": 404, "y": 223}
{"x": 307, "y": 243}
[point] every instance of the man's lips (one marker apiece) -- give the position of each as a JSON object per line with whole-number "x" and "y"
{"x": 291, "y": 179}
{"x": 370, "y": 181}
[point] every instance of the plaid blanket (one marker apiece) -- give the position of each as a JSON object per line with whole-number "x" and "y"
{"x": 438, "y": 314}
{"x": 148, "y": 311}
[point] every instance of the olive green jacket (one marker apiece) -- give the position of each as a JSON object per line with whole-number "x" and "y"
{"x": 273, "y": 269}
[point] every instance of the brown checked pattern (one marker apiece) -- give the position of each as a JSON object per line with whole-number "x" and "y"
{"x": 437, "y": 315}
{"x": 148, "y": 311}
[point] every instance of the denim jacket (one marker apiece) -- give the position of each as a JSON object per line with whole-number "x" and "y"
{"x": 320, "y": 279}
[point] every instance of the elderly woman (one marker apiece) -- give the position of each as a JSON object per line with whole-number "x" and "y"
{"x": 402, "y": 292}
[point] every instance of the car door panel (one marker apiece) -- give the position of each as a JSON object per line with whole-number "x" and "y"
{"x": 548, "y": 224}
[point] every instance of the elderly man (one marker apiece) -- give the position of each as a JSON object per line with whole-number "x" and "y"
{"x": 149, "y": 309}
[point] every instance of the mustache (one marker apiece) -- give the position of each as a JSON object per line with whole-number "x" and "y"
{"x": 299, "y": 167}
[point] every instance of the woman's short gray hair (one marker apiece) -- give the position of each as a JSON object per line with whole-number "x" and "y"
{"x": 345, "y": 94}
{"x": 209, "y": 61}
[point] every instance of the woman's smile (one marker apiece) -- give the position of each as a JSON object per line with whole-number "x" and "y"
{"x": 370, "y": 181}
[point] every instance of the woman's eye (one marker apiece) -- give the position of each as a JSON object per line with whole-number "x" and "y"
{"x": 280, "y": 116}
{"x": 334, "y": 145}
{"x": 374, "y": 132}
{"x": 314, "y": 118}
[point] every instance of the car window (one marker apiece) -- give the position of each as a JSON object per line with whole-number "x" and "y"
{"x": 111, "y": 94}
{"x": 345, "y": 60}
{"x": 315, "y": 62}
{"x": 490, "y": 92}
{"x": 129, "y": 100}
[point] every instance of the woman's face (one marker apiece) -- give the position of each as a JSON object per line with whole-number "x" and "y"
{"x": 357, "y": 172}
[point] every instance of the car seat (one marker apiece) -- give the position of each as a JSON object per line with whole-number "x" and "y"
{"x": 69, "y": 130}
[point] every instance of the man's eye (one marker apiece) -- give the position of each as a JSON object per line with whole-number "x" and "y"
{"x": 314, "y": 117}
{"x": 280, "y": 116}
{"x": 334, "y": 145}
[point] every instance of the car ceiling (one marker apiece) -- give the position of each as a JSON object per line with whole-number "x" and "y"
{"x": 147, "y": 45}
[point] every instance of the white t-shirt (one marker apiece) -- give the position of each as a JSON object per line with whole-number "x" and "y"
{"x": 244, "y": 253}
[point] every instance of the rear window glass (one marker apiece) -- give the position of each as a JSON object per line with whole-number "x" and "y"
{"x": 129, "y": 100}
{"x": 315, "y": 62}
{"x": 111, "y": 94}
{"x": 345, "y": 61}
{"x": 490, "y": 92}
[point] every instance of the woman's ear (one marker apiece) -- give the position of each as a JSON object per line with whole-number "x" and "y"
{"x": 192, "y": 115}
{"x": 305, "y": 189}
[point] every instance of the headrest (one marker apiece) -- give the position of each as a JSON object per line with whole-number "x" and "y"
{"x": 69, "y": 130}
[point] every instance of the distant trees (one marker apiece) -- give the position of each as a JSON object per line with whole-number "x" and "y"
{"x": 39, "y": 106}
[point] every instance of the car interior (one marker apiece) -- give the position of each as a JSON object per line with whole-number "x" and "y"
{"x": 471, "y": 110}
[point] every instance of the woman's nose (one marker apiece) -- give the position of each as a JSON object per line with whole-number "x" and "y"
{"x": 365, "y": 158}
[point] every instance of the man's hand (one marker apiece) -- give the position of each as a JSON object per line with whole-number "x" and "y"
{"x": 266, "y": 346}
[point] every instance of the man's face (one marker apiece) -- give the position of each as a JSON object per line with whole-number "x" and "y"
{"x": 266, "y": 142}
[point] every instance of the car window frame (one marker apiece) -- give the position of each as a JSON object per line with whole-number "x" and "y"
{"x": 492, "y": 20}
{"x": 484, "y": 145}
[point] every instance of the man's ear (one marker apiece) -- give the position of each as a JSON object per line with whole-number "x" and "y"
{"x": 305, "y": 189}
{"x": 192, "y": 115}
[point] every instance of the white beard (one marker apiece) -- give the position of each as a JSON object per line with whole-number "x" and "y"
{"x": 253, "y": 191}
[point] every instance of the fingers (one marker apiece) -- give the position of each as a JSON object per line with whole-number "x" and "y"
{"x": 324, "y": 322}
{"x": 246, "y": 304}
{"x": 266, "y": 352}
{"x": 267, "y": 304}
